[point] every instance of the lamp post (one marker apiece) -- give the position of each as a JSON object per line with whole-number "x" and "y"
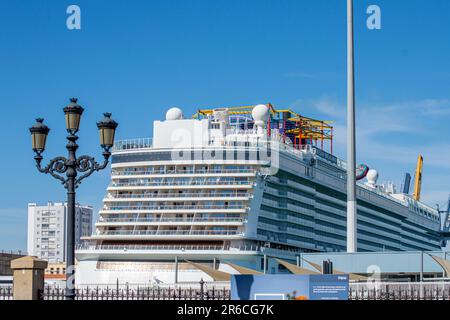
{"x": 351, "y": 144}
{"x": 71, "y": 166}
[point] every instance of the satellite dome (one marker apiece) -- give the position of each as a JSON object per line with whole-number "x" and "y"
{"x": 260, "y": 113}
{"x": 174, "y": 114}
{"x": 372, "y": 177}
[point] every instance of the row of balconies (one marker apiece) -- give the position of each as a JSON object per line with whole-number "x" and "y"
{"x": 176, "y": 207}
{"x": 200, "y": 195}
{"x": 173, "y": 219}
{"x": 176, "y": 247}
{"x": 170, "y": 232}
{"x": 205, "y": 182}
{"x": 117, "y": 172}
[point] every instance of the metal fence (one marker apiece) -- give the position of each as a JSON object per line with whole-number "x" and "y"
{"x": 6, "y": 293}
{"x": 199, "y": 292}
{"x": 359, "y": 291}
{"x": 400, "y": 291}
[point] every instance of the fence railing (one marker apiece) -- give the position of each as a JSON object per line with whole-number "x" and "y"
{"x": 400, "y": 291}
{"x": 208, "y": 291}
{"x": 201, "y": 292}
{"x": 12, "y": 252}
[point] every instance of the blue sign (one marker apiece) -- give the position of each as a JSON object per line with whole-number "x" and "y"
{"x": 289, "y": 287}
{"x": 328, "y": 287}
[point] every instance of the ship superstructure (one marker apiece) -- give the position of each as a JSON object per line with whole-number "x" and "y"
{"x": 238, "y": 187}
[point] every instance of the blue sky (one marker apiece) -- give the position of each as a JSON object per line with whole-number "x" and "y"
{"x": 138, "y": 58}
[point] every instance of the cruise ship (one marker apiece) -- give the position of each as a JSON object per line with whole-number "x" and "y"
{"x": 238, "y": 190}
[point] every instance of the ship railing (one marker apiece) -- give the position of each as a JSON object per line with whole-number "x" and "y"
{"x": 289, "y": 251}
{"x": 167, "y": 247}
{"x": 209, "y": 219}
{"x": 197, "y": 171}
{"x": 145, "y": 143}
{"x": 171, "y": 232}
{"x": 180, "y": 195}
{"x": 130, "y": 144}
{"x": 172, "y": 207}
{"x": 364, "y": 186}
{"x": 13, "y": 253}
{"x": 382, "y": 194}
{"x": 178, "y": 183}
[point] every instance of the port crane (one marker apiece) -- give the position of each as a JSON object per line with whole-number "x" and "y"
{"x": 418, "y": 178}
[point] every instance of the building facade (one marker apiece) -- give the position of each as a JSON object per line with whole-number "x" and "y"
{"x": 47, "y": 229}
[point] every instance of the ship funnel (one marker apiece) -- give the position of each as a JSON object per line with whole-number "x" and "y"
{"x": 447, "y": 212}
{"x": 406, "y": 183}
{"x": 448, "y": 205}
{"x": 444, "y": 216}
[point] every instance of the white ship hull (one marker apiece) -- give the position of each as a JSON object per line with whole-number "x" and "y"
{"x": 237, "y": 197}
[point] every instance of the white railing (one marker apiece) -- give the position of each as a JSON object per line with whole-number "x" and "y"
{"x": 172, "y": 207}
{"x": 209, "y": 219}
{"x": 164, "y": 172}
{"x": 178, "y": 183}
{"x": 170, "y": 232}
{"x": 180, "y": 195}
{"x": 140, "y": 143}
{"x": 145, "y": 143}
{"x": 167, "y": 247}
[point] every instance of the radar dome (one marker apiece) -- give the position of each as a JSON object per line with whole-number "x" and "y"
{"x": 174, "y": 114}
{"x": 372, "y": 177}
{"x": 260, "y": 113}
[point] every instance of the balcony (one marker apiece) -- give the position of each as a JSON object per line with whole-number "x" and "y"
{"x": 181, "y": 172}
{"x": 140, "y": 143}
{"x": 171, "y": 232}
{"x": 177, "y": 207}
{"x": 178, "y": 183}
{"x": 157, "y": 220}
{"x": 176, "y": 195}
{"x": 179, "y": 248}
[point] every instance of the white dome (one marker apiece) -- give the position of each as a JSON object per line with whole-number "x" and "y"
{"x": 372, "y": 176}
{"x": 174, "y": 114}
{"x": 260, "y": 113}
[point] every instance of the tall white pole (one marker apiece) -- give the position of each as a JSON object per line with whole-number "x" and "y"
{"x": 351, "y": 154}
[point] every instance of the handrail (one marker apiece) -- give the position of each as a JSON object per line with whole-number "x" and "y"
{"x": 178, "y": 183}
{"x": 172, "y": 207}
{"x": 208, "y": 219}
{"x": 179, "y": 195}
{"x": 85, "y": 246}
{"x": 169, "y": 232}
{"x": 130, "y": 144}
{"x": 162, "y": 172}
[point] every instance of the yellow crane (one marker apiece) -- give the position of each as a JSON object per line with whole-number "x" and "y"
{"x": 418, "y": 178}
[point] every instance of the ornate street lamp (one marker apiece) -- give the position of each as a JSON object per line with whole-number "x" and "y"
{"x": 107, "y": 128}
{"x": 73, "y": 114}
{"x": 71, "y": 166}
{"x": 39, "y": 134}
